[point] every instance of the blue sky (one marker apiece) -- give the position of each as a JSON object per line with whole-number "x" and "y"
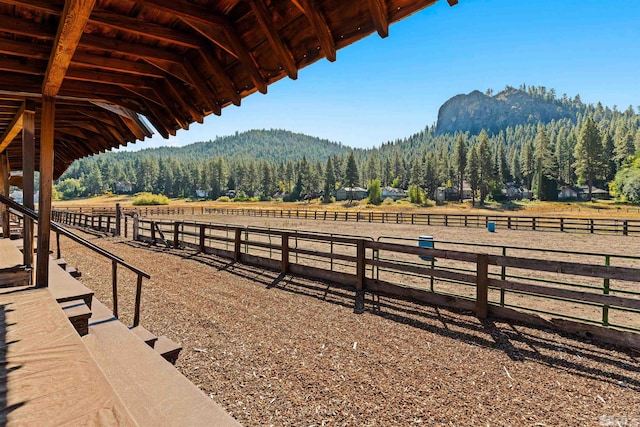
{"x": 384, "y": 89}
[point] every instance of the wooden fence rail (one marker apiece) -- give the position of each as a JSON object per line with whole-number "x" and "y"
{"x": 394, "y": 270}
{"x": 625, "y": 227}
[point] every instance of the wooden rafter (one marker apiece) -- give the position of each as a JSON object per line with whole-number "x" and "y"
{"x": 13, "y": 129}
{"x": 194, "y": 15}
{"x": 282, "y": 51}
{"x": 379, "y": 16}
{"x": 221, "y": 76}
{"x": 319, "y": 25}
{"x": 72, "y": 22}
{"x": 452, "y": 2}
{"x": 203, "y": 87}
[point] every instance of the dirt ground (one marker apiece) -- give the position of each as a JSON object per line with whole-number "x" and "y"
{"x": 283, "y": 351}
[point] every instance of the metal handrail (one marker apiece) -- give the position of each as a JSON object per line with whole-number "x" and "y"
{"x": 115, "y": 260}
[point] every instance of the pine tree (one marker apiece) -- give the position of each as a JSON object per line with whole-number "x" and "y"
{"x": 611, "y": 166}
{"x": 473, "y": 172}
{"x": 485, "y": 163}
{"x": 460, "y": 161}
{"x": 589, "y": 162}
{"x": 329, "y": 181}
{"x": 351, "y": 175}
{"x": 544, "y": 167}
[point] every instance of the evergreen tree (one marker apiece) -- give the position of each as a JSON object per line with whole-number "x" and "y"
{"x": 589, "y": 154}
{"x": 351, "y": 175}
{"x": 486, "y": 165}
{"x": 611, "y": 166}
{"x": 460, "y": 161}
{"x": 329, "y": 181}
{"x": 473, "y": 172}
{"x": 544, "y": 167}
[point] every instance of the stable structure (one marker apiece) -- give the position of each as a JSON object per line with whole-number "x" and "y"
{"x": 78, "y": 77}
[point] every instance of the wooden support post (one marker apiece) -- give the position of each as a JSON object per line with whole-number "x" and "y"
{"x": 591, "y": 226}
{"x": 482, "y": 286}
{"x": 533, "y": 224}
{"x": 126, "y": 226}
{"x": 561, "y": 224}
{"x": 114, "y": 285}
{"x": 153, "y": 233}
{"x": 176, "y": 235}
{"x": 285, "y": 253}
{"x": 360, "y": 273}
{"x": 625, "y": 228}
{"x": 4, "y": 189}
{"x": 201, "y": 242}
{"x": 46, "y": 187}
{"x": 118, "y": 219}
{"x": 136, "y": 313}
{"x": 28, "y": 180}
{"x": 237, "y": 244}
{"x": 58, "y": 252}
{"x": 136, "y": 227}
{"x": 109, "y": 224}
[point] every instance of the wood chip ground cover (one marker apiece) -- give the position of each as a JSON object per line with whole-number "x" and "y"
{"x": 280, "y": 350}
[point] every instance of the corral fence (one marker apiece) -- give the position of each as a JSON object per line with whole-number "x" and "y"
{"x": 624, "y": 227}
{"x": 593, "y": 294}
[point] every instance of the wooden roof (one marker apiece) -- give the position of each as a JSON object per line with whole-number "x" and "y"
{"x": 172, "y": 61}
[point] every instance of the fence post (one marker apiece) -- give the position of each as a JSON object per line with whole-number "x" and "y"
{"x": 482, "y": 286}
{"x": 136, "y": 227}
{"x": 360, "y": 273}
{"x": 136, "y": 314}
{"x": 126, "y": 226}
{"x": 285, "y": 253}
{"x": 118, "y": 220}
{"x": 57, "y": 245}
{"x": 109, "y": 225}
{"x": 153, "y": 233}
{"x": 625, "y": 227}
{"x": 561, "y": 224}
{"x": 591, "y": 225}
{"x": 237, "y": 245}
{"x": 202, "y": 237}
{"x": 176, "y": 236}
{"x": 533, "y": 224}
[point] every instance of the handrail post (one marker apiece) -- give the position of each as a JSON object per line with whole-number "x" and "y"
{"x": 482, "y": 286}
{"x": 58, "y": 254}
{"x": 360, "y": 276}
{"x": 136, "y": 313}
{"x": 114, "y": 282}
{"x": 285, "y": 253}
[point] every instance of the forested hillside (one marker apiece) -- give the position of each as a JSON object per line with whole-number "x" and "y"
{"x": 589, "y": 143}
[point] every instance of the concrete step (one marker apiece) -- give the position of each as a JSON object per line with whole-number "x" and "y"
{"x": 61, "y": 262}
{"x": 78, "y": 314}
{"x": 146, "y": 336}
{"x": 73, "y": 272}
{"x": 167, "y": 349}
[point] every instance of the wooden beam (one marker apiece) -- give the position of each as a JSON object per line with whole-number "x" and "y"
{"x": 83, "y": 60}
{"x": 265, "y": 20}
{"x": 106, "y": 44}
{"x": 4, "y": 189}
{"x": 452, "y": 2}
{"x": 203, "y": 87}
{"x": 46, "y": 184}
{"x": 215, "y": 35}
{"x": 27, "y": 28}
{"x": 70, "y": 28}
{"x": 143, "y": 28}
{"x": 12, "y": 130}
{"x": 221, "y": 76}
{"x": 28, "y": 177}
{"x": 193, "y": 14}
{"x": 319, "y": 25}
{"x": 379, "y": 16}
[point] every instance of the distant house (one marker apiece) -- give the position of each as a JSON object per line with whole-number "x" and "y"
{"x": 511, "y": 192}
{"x": 567, "y": 193}
{"x": 124, "y": 187}
{"x": 452, "y": 194}
{"x": 526, "y": 193}
{"x": 345, "y": 193}
{"x": 202, "y": 193}
{"x": 229, "y": 193}
{"x": 596, "y": 193}
{"x": 393, "y": 193}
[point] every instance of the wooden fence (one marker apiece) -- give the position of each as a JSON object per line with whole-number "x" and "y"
{"x": 625, "y": 227}
{"x": 510, "y": 287}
